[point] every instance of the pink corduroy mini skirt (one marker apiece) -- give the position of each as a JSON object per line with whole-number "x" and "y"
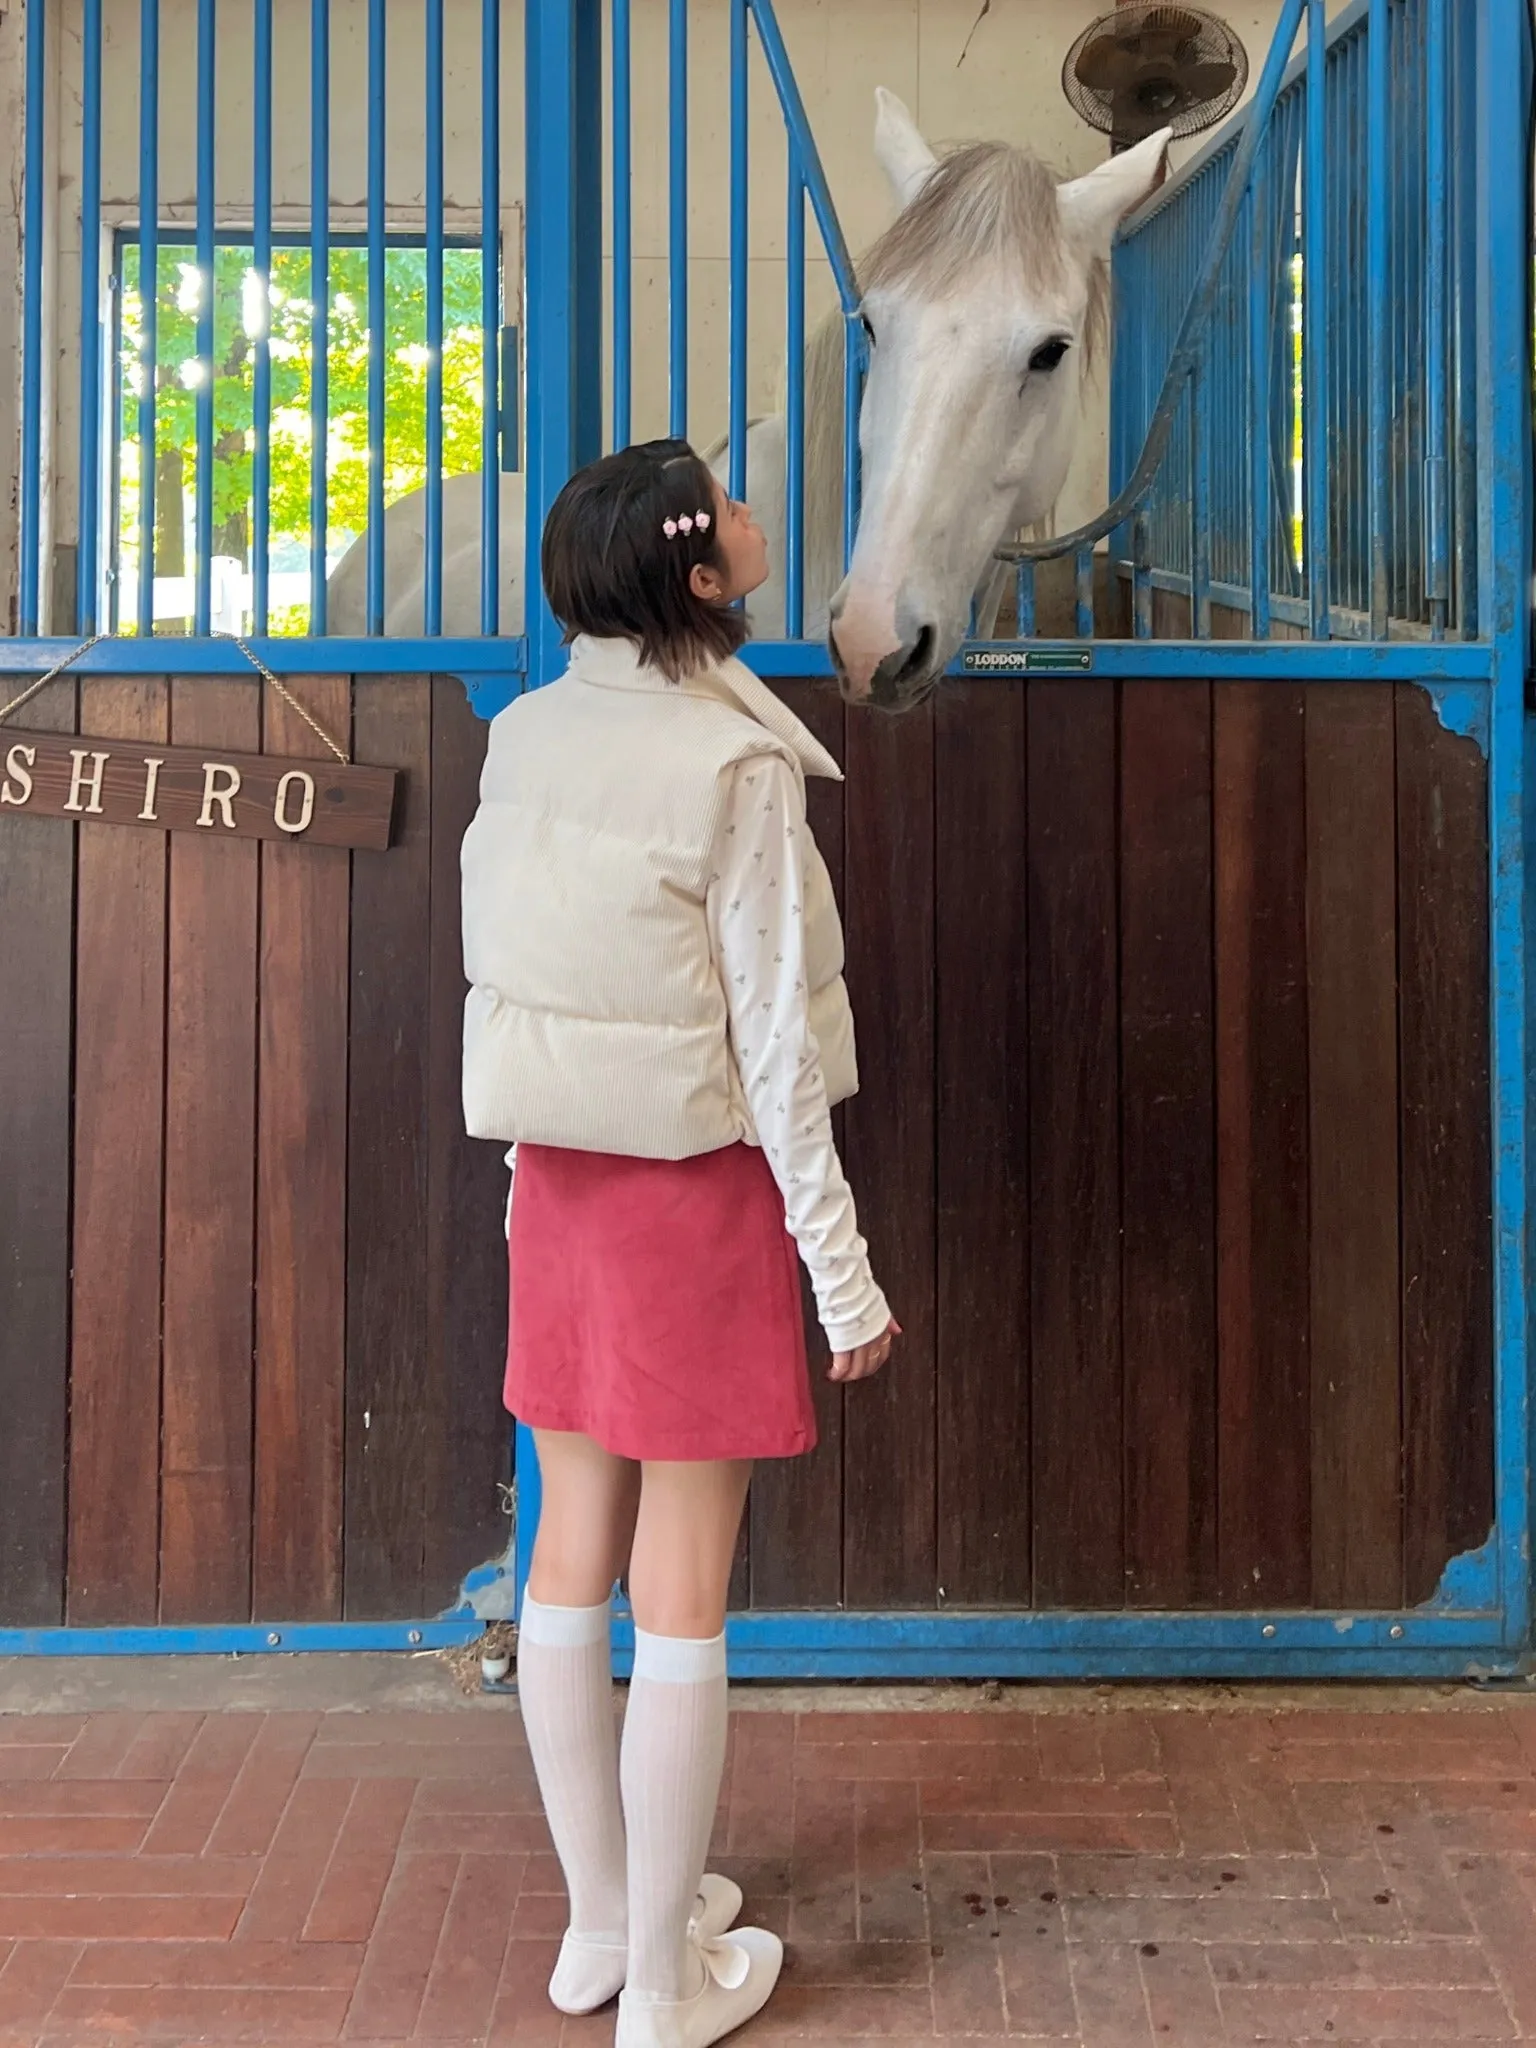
{"x": 656, "y": 1306}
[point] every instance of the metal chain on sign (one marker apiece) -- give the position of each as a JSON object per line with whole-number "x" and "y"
{"x": 26, "y": 696}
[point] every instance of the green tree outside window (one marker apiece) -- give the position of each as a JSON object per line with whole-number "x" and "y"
{"x": 238, "y": 320}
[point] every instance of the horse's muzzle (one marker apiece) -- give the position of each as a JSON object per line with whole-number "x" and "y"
{"x": 898, "y": 681}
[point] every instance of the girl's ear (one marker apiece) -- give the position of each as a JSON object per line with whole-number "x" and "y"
{"x": 705, "y": 583}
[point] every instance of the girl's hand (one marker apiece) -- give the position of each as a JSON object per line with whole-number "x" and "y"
{"x": 867, "y": 1360}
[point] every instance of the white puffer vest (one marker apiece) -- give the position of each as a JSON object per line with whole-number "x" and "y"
{"x": 596, "y": 1019}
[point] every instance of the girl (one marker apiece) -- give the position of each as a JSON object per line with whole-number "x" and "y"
{"x": 657, "y": 1022}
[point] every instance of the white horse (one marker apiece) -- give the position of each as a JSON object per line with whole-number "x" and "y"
{"x": 983, "y": 304}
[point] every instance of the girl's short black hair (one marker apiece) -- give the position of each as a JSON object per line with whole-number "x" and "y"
{"x": 611, "y": 570}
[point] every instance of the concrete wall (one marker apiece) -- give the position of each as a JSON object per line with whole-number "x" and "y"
{"x": 965, "y": 73}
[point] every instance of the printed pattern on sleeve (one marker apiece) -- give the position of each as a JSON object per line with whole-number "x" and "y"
{"x": 756, "y": 907}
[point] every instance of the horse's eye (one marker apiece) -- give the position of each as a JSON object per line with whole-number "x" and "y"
{"x": 869, "y": 328}
{"x": 1049, "y": 354}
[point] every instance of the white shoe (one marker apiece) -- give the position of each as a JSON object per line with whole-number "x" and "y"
{"x": 740, "y": 1971}
{"x": 590, "y": 1973}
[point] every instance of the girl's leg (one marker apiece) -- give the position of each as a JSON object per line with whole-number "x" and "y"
{"x": 673, "y": 1756}
{"x": 565, "y": 1689}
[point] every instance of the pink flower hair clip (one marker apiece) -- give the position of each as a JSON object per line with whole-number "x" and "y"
{"x": 685, "y": 524}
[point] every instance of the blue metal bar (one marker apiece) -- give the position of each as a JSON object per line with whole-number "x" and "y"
{"x": 1314, "y": 270}
{"x": 677, "y": 215}
{"x": 88, "y": 567}
{"x": 739, "y": 250}
{"x": 261, "y": 343}
{"x": 202, "y": 602}
{"x": 432, "y": 566}
{"x": 1282, "y": 1644}
{"x": 1141, "y": 579}
{"x": 1505, "y": 536}
{"x": 563, "y": 80}
{"x": 784, "y": 1645}
{"x": 1196, "y": 312}
{"x": 1429, "y": 662}
{"x": 1348, "y": 661}
{"x": 243, "y": 1639}
{"x": 623, "y": 230}
{"x": 1378, "y": 286}
{"x": 490, "y": 316}
{"x": 788, "y": 1645}
{"x": 378, "y": 340}
{"x": 149, "y": 298}
{"x": 1200, "y": 501}
{"x": 1084, "y": 621}
{"x": 31, "y": 535}
{"x": 1024, "y": 599}
{"x": 1437, "y": 564}
{"x": 530, "y": 1498}
{"x": 1260, "y": 287}
{"x": 853, "y": 401}
{"x": 320, "y": 301}
{"x": 1465, "y": 334}
{"x": 794, "y": 508}
{"x": 587, "y": 274}
{"x": 781, "y": 71}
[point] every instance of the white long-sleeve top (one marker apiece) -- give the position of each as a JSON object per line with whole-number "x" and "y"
{"x": 755, "y": 911}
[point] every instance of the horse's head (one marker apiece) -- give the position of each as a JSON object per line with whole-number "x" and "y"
{"x": 982, "y": 304}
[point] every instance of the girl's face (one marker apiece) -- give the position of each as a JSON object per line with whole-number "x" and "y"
{"x": 743, "y": 552}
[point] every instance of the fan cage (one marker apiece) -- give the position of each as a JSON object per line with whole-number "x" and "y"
{"x": 1202, "y": 38}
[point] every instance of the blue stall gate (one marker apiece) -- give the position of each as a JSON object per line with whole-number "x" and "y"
{"x": 1265, "y": 716}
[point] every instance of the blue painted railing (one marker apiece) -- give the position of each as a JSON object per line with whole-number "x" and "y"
{"x": 99, "y": 371}
{"x": 1353, "y": 168}
{"x": 1335, "y": 362}
{"x": 806, "y": 181}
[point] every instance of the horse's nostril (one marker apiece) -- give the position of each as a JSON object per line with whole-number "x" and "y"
{"x": 917, "y": 664}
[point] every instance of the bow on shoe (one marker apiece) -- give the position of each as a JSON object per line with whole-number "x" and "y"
{"x": 725, "y": 1960}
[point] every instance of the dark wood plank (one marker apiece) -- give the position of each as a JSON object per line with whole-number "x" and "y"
{"x": 1263, "y": 1271}
{"x": 1167, "y": 1056}
{"x": 468, "y": 1431}
{"x": 37, "y": 898}
{"x": 982, "y": 1089}
{"x": 389, "y": 1094}
{"x": 1442, "y": 850}
{"x": 1074, "y": 1097}
{"x": 796, "y": 1514}
{"x": 738, "y": 1595}
{"x": 210, "y": 1128}
{"x": 301, "y": 1199}
{"x": 1357, "y": 1543}
{"x": 1170, "y": 616}
{"x": 114, "y": 1433}
{"x": 890, "y": 1556}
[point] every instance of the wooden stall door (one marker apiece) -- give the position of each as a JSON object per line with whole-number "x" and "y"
{"x": 1172, "y": 1148}
{"x": 254, "y": 1291}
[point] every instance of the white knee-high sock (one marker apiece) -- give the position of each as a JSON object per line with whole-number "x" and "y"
{"x": 671, "y": 1763}
{"x": 565, "y": 1689}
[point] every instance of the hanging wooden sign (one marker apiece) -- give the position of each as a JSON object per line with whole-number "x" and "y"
{"x": 192, "y": 789}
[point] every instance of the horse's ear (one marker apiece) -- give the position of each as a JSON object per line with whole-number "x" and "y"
{"x": 902, "y": 153}
{"x": 1093, "y": 206}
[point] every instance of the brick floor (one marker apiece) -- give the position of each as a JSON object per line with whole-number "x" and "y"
{"x": 1105, "y": 1876}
